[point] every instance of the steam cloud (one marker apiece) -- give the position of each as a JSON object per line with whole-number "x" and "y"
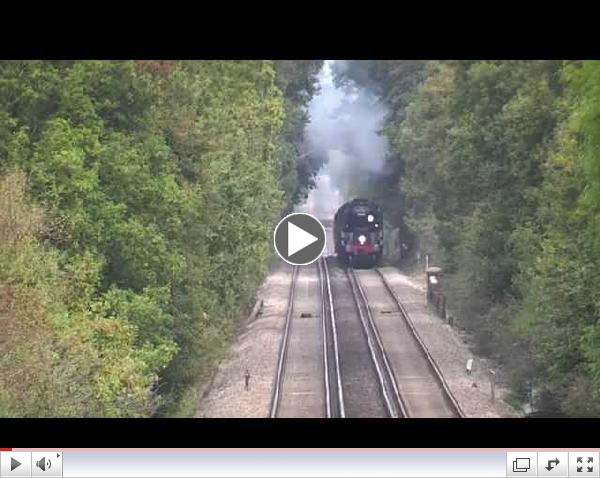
{"x": 344, "y": 130}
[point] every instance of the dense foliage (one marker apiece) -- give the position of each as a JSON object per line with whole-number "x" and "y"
{"x": 498, "y": 177}
{"x": 136, "y": 204}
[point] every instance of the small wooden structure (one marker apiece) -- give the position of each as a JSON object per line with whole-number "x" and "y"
{"x": 434, "y": 281}
{"x": 435, "y": 295}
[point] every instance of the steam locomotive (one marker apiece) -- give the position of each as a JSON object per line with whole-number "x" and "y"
{"x": 358, "y": 233}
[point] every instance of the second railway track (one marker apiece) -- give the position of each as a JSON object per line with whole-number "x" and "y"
{"x": 308, "y": 382}
{"x": 421, "y": 384}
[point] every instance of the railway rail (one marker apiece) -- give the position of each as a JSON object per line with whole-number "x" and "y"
{"x": 275, "y": 399}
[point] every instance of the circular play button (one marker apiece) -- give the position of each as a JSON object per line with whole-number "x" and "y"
{"x": 299, "y": 239}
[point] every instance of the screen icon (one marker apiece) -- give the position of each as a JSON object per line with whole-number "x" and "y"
{"x": 521, "y": 465}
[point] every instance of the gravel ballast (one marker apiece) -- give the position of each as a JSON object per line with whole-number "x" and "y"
{"x": 256, "y": 349}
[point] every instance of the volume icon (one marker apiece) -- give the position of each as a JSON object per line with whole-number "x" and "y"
{"x": 43, "y": 464}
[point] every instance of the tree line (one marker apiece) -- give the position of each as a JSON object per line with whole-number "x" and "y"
{"x": 137, "y": 200}
{"x": 494, "y": 170}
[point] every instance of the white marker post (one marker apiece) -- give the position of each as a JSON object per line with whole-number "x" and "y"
{"x": 469, "y": 366}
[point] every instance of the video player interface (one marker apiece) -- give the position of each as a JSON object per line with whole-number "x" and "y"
{"x": 299, "y": 463}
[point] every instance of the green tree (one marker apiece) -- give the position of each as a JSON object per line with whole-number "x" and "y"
{"x": 157, "y": 185}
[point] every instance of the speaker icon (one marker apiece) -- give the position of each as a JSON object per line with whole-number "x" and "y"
{"x": 43, "y": 464}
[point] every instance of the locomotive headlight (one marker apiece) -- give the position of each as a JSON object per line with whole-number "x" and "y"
{"x": 362, "y": 239}
{"x": 370, "y": 218}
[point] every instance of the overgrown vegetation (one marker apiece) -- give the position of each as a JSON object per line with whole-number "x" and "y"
{"x": 136, "y": 205}
{"x": 497, "y": 168}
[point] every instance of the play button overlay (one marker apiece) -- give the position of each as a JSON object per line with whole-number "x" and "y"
{"x": 299, "y": 239}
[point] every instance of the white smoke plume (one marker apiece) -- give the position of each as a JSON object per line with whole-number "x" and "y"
{"x": 344, "y": 130}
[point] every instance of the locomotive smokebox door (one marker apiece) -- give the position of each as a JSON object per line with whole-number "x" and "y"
{"x": 434, "y": 282}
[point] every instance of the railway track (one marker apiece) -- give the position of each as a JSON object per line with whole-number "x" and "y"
{"x": 342, "y": 359}
{"x": 421, "y": 384}
{"x": 394, "y": 403}
{"x": 302, "y": 387}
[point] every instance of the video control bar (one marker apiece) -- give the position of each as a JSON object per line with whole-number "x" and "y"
{"x": 297, "y": 463}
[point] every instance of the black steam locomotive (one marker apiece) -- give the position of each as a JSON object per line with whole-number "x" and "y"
{"x": 358, "y": 233}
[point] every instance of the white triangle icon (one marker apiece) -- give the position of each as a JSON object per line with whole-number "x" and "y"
{"x": 298, "y": 239}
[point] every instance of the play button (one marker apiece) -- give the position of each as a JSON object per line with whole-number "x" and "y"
{"x": 299, "y": 239}
{"x": 15, "y": 464}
